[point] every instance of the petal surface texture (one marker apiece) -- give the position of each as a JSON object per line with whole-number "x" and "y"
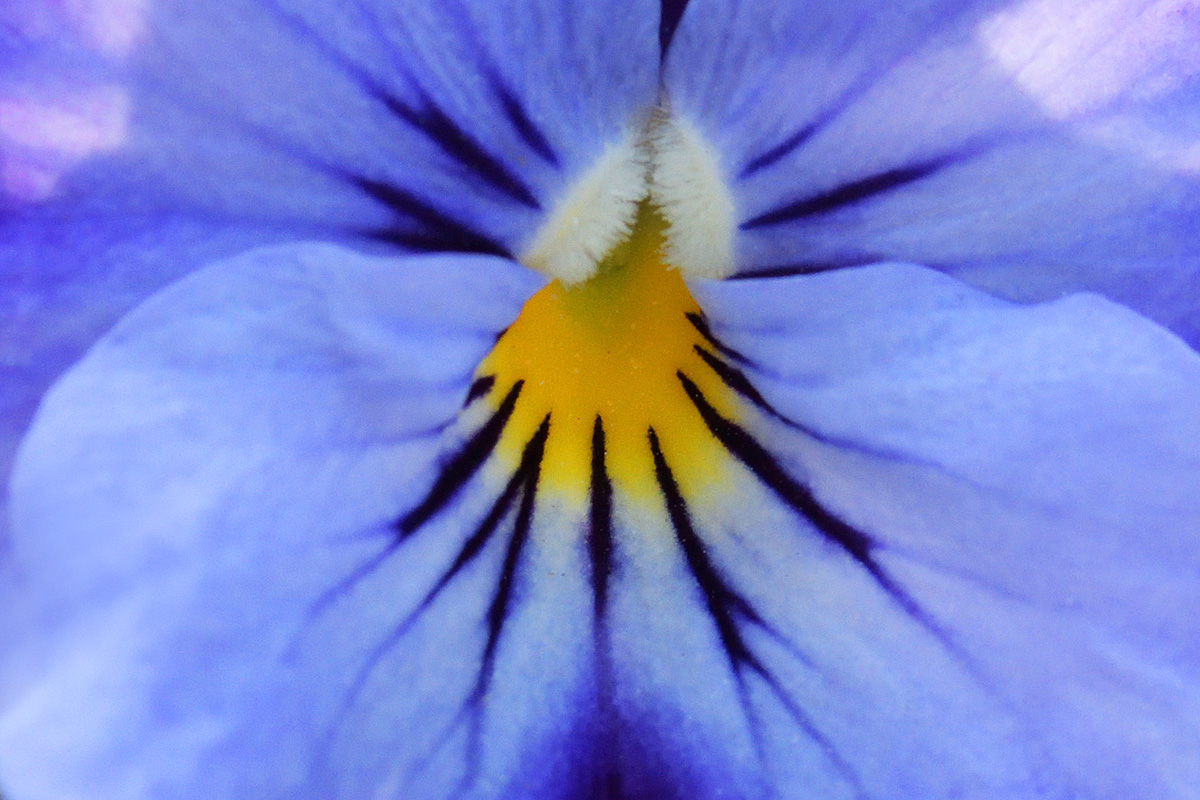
{"x": 215, "y": 514}
{"x": 139, "y": 139}
{"x": 986, "y": 575}
{"x": 219, "y": 606}
{"x": 1030, "y": 148}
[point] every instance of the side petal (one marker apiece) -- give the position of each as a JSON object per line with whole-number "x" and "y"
{"x": 223, "y": 595}
{"x": 1030, "y": 148}
{"x": 965, "y": 547}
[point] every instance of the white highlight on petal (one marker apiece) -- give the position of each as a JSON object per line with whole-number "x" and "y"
{"x": 1076, "y": 56}
{"x": 109, "y": 27}
{"x": 1166, "y": 149}
{"x": 689, "y": 188}
{"x": 41, "y": 139}
{"x": 113, "y": 27}
{"x": 596, "y": 214}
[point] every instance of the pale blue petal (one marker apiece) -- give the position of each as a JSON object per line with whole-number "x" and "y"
{"x": 64, "y": 283}
{"x": 1030, "y": 148}
{"x": 1018, "y": 620}
{"x": 207, "y": 542}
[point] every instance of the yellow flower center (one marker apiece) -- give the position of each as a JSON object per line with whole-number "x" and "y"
{"x": 612, "y": 348}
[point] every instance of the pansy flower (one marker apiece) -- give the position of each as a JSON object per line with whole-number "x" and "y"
{"x": 613, "y": 399}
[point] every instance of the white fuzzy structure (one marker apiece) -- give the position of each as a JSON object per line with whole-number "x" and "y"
{"x": 690, "y": 190}
{"x": 596, "y": 215}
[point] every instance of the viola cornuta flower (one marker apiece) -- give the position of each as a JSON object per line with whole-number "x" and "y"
{"x": 615, "y": 399}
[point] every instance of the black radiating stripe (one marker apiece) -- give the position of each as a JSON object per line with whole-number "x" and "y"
{"x": 670, "y": 14}
{"x": 764, "y": 466}
{"x": 805, "y": 268}
{"x": 531, "y": 468}
{"x": 845, "y": 195}
{"x": 724, "y": 606}
{"x": 722, "y": 602}
{"x": 743, "y": 446}
{"x": 474, "y": 545}
{"x": 481, "y": 387}
{"x": 701, "y": 325}
{"x": 735, "y": 379}
{"x": 459, "y": 469}
{"x": 442, "y": 232}
{"x": 455, "y": 142}
{"x": 777, "y": 153}
{"x": 857, "y": 544}
{"x": 529, "y": 132}
{"x": 600, "y": 534}
{"x": 525, "y": 478}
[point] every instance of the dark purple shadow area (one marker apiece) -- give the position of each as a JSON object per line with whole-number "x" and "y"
{"x": 672, "y": 11}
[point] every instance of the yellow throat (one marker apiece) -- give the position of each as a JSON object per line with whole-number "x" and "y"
{"x": 612, "y": 349}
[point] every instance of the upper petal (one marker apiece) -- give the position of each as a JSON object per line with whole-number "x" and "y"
{"x": 449, "y": 126}
{"x": 1031, "y": 148}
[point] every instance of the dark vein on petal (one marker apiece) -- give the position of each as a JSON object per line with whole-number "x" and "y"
{"x": 498, "y": 611}
{"x": 804, "y": 268}
{"x": 480, "y": 388}
{"x": 763, "y": 465}
{"x": 701, "y": 325}
{"x": 857, "y": 544}
{"x": 327, "y": 598}
{"x": 721, "y": 601}
{"x": 607, "y": 783}
{"x": 443, "y": 230}
{"x": 845, "y": 195}
{"x": 523, "y": 480}
{"x": 806, "y": 723}
{"x": 470, "y": 549}
{"x": 454, "y": 141}
{"x": 857, "y": 89}
{"x": 461, "y": 467}
{"x": 670, "y": 15}
{"x": 427, "y": 118}
{"x": 599, "y": 537}
{"x": 736, "y": 380}
{"x": 444, "y": 233}
{"x": 779, "y": 152}
{"x": 725, "y": 606}
{"x": 478, "y": 48}
{"x": 525, "y": 127}
{"x": 531, "y": 467}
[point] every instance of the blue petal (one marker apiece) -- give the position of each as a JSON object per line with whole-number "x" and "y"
{"x": 1031, "y": 148}
{"x": 447, "y": 127}
{"x": 968, "y": 545}
{"x": 219, "y": 600}
{"x": 63, "y": 284}
{"x": 139, "y": 140}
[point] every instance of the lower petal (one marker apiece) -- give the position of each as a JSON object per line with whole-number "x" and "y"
{"x": 209, "y": 547}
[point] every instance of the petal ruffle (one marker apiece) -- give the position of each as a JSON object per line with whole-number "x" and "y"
{"x": 974, "y": 561}
{"x": 207, "y": 538}
{"x": 1030, "y": 148}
